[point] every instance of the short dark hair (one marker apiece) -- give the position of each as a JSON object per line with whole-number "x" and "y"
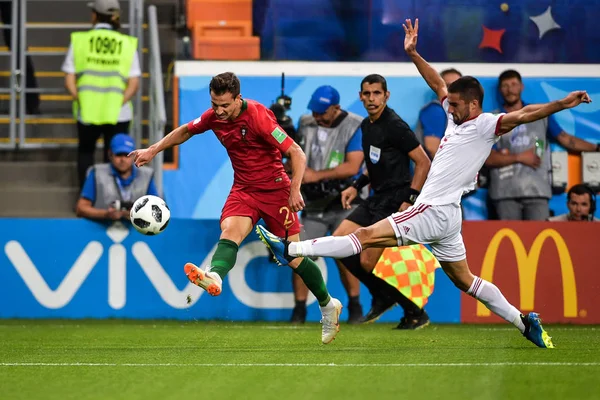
{"x": 450, "y": 71}
{"x": 223, "y": 83}
{"x": 468, "y": 88}
{"x": 580, "y": 189}
{"x": 113, "y": 19}
{"x": 509, "y": 74}
{"x": 374, "y": 78}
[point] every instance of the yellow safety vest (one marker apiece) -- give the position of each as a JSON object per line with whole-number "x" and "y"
{"x": 103, "y": 61}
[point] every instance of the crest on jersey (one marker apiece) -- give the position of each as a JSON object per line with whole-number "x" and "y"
{"x": 244, "y": 129}
{"x": 374, "y": 154}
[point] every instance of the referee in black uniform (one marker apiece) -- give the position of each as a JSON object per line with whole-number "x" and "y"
{"x": 388, "y": 145}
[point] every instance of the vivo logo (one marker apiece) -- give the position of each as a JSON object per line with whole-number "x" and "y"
{"x": 156, "y": 274}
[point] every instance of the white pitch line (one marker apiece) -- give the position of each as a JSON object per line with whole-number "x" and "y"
{"x": 552, "y": 329}
{"x": 409, "y": 365}
{"x": 278, "y": 327}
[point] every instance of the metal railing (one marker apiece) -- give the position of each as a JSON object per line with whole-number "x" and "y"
{"x": 18, "y": 77}
{"x": 158, "y": 111}
{"x": 136, "y": 29}
{"x": 12, "y": 127}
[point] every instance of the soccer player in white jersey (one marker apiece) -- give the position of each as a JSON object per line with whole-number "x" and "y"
{"x": 435, "y": 218}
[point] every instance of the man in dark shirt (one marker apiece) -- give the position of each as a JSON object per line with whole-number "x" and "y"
{"x": 388, "y": 145}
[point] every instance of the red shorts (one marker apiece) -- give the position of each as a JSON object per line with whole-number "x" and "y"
{"x": 272, "y": 206}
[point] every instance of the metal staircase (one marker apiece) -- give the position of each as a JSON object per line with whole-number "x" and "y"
{"x": 41, "y": 30}
{"x": 38, "y": 151}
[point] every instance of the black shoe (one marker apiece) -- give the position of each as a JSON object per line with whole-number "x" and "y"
{"x": 414, "y": 321}
{"x": 355, "y": 313}
{"x": 298, "y": 315}
{"x": 378, "y": 307}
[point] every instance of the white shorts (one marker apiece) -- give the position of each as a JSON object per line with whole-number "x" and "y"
{"x": 438, "y": 226}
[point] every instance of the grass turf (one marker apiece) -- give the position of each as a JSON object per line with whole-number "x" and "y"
{"x": 225, "y": 360}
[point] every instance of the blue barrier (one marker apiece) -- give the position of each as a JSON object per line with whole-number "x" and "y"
{"x": 81, "y": 269}
{"x": 199, "y": 187}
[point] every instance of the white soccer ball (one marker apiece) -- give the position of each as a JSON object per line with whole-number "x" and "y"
{"x": 150, "y": 215}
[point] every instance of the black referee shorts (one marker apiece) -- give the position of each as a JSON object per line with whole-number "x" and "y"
{"x": 376, "y": 208}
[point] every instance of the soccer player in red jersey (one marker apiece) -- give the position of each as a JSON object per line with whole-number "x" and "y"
{"x": 261, "y": 188}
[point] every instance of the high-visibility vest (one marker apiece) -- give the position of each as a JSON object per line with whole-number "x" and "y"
{"x": 103, "y": 61}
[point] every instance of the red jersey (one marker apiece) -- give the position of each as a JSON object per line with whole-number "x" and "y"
{"x": 254, "y": 142}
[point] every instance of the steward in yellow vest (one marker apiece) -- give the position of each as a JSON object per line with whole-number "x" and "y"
{"x": 102, "y": 74}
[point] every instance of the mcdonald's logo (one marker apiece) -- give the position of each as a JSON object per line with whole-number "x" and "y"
{"x": 527, "y": 265}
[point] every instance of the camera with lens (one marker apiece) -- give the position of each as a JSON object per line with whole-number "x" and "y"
{"x": 121, "y": 205}
{"x": 280, "y": 109}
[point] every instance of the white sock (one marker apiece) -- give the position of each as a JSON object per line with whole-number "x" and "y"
{"x": 330, "y": 246}
{"x": 489, "y": 294}
{"x": 213, "y": 275}
{"x": 328, "y": 306}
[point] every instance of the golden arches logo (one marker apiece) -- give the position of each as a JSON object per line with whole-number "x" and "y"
{"x": 527, "y": 265}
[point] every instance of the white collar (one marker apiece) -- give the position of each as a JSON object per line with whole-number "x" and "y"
{"x": 102, "y": 25}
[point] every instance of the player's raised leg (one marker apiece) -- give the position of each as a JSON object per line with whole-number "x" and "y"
{"x": 234, "y": 230}
{"x": 379, "y": 234}
{"x": 489, "y": 294}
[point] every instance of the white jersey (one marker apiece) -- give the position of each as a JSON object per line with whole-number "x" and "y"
{"x": 463, "y": 150}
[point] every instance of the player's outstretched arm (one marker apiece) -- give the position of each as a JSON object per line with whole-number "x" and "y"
{"x": 534, "y": 112}
{"x": 175, "y": 137}
{"x": 431, "y": 76}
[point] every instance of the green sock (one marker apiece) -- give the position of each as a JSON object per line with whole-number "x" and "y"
{"x": 224, "y": 258}
{"x": 311, "y": 275}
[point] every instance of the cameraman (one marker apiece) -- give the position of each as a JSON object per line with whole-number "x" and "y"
{"x": 581, "y": 202}
{"x": 110, "y": 189}
{"x": 331, "y": 139}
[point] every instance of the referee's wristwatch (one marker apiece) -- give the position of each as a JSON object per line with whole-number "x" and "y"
{"x": 412, "y": 197}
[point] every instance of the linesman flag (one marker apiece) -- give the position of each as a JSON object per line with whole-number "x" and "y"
{"x": 410, "y": 269}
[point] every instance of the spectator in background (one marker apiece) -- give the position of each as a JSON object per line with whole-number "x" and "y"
{"x": 111, "y": 189}
{"x": 102, "y": 74}
{"x": 520, "y": 177}
{"x": 581, "y": 201}
{"x": 431, "y": 124}
{"x": 331, "y": 140}
{"x": 32, "y": 100}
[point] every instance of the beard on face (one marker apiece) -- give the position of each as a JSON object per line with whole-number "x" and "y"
{"x": 511, "y": 103}
{"x": 458, "y": 121}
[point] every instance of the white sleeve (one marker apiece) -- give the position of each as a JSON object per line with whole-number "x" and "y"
{"x": 445, "y": 104}
{"x": 135, "y": 71}
{"x": 489, "y": 125}
{"x": 68, "y": 65}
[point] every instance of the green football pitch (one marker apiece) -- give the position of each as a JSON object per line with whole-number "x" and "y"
{"x": 225, "y": 360}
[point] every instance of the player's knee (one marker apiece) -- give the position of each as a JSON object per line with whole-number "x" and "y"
{"x": 341, "y": 231}
{"x": 233, "y": 234}
{"x": 362, "y": 234}
{"x": 366, "y": 262}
